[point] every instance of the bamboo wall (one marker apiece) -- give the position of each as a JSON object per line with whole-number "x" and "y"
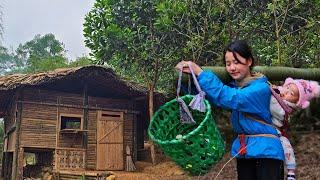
{"x": 92, "y": 140}
{"x": 110, "y": 103}
{"x": 9, "y": 123}
{"x": 130, "y": 121}
{"x": 40, "y": 121}
{"x": 38, "y": 126}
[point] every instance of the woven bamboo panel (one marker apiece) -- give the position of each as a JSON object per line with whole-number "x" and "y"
{"x": 50, "y": 96}
{"x": 92, "y": 140}
{"x": 38, "y": 133}
{"x": 109, "y": 103}
{"x": 38, "y": 111}
{"x": 38, "y": 95}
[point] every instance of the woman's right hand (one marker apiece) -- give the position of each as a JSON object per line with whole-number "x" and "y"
{"x": 184, "y": 65}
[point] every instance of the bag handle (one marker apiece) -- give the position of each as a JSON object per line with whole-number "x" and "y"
{"x": 197, "y": 102}
{"x": 185, "y": 114}
{"x": 195, "y": 81}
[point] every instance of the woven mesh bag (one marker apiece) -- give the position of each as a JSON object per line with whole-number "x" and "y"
{"x": 194, "y": 147}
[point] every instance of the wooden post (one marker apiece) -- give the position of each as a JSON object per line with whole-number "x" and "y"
{"x": 20, "y": 163}
{"x": 15, "y": 163}
{"x": 85, "y": 121}
{"x": 57, "y": 154}
{"x": 135, "y": 141}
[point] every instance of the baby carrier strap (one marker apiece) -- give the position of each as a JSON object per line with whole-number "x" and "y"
{"x": 288, "y": 110}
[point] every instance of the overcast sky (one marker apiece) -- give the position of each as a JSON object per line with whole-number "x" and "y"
{"x": 23, "y": 19}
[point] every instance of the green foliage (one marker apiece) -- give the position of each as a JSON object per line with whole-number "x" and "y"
{"x": 290, "y": 33}
{"x": 150, "y": 37}
{"x": 43, "y": 53}
{"x": 130, "y": 37}
{"x": 41, "y": 46}
{"x": 81, "y": 61}
{"x": 40, "y": 64}
{"x": 8, "y": 61}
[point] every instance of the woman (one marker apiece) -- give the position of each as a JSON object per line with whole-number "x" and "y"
{"x": 257, "y": 148}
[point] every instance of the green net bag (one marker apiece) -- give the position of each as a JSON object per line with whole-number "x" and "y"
{"x": 194, "y": 147}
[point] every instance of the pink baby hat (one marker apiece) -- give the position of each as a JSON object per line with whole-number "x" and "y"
{"x": 307, "y": 91}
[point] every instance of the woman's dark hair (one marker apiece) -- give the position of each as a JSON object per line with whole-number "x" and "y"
{"x": 242, "y": 48}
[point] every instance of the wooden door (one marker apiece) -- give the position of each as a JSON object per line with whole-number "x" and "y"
{"x": 110, "y": 140}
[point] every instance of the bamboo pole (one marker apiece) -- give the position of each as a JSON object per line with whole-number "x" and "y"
{"x": 274, "y": 73}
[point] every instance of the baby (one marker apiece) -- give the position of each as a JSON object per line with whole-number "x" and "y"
{"x": 294, "y": 94}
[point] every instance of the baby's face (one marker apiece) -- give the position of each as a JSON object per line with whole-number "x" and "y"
{"x": 290, "y": 92}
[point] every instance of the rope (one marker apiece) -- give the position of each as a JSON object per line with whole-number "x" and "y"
{"x": 240, "y": 151}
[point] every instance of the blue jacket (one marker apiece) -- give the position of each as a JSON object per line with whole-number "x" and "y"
{"x": 253, "y": 99}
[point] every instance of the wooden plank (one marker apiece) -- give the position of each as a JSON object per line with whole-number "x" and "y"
{"x": 20, "y": 164}
{"x": 15, "y": 163}
{"x": 70, "y": 141}
{"x": 110, "y": 156}
{"x": 56, "y": 165}
{"x": 72, "y": 149}
{"x": 11, "y": 142}
{"x": 74, "y": 111}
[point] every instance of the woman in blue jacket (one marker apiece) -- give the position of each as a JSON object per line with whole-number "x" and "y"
{"x": 257, "y": 148}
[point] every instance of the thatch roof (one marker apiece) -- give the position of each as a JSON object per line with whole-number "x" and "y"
{"x": 68, "y": 78}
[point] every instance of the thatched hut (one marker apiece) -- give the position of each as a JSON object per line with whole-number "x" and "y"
{"x": 73, "y": 119}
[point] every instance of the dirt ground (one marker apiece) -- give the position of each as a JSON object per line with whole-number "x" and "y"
{"x": 307, "y": 151}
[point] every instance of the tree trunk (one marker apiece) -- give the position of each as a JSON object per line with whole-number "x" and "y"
{"x": 277, "y": 32}
{"x": 152, "y": 148}
{"x": 151, "y": 92}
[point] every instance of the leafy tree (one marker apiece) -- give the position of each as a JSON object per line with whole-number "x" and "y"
{"x": 131, "y": 37}
{"x": 198, "y": 27}
{"x": 150, "y": 37}
{"x": 41, "y": 46}
{"x": 8, "y": 61}
{"x": 81, "y": 61}
{"x": 40, "y": 64}
{"x": 36, "y": 56}
{"x": 42, "y": 53}
{"x": 128, "y": 36}
{"x": 282, "y": 32}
